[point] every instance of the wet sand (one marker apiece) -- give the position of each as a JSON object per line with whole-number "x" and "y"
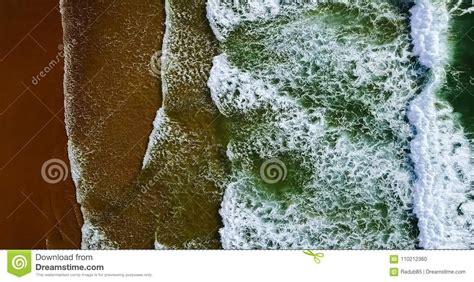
{"x": 178, "y": 194}
{"x": 111, "y": 97}
{"x": 33, "y": 212}
{"x": 112, "y": 101}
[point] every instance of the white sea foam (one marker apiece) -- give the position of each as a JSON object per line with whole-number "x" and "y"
{"x": 468, "y": 11}
{"x": 159, "y": 246}
{"x": 159, "y": 132}
{"x": 239, "y": 92}
{"x": 224, "y": 15}
{"x": 73, "y": 155}
{"x": 345, "y": 188}
{"x": 440, "y": 151}
{"x": 429, "y": 27}
{"x": 165, "y": 50}
{"x": 183, "y": 154}
{"x": 93, "y": 238}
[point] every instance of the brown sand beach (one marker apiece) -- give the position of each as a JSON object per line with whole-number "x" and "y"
{"x": 112, "y": 92}
{"x": 36, "y": 210}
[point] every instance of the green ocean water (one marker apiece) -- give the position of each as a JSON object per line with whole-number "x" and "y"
{"x": 327, "y": 100}
{"x": 345, "y": 100}
{"x": 459, "y": 89}
{"x": 315, "y": 127}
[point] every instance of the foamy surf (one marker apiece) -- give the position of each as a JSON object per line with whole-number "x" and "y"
{"x": 330, "y": 112}
{"x": 159, "y": 132}
{"x": 224, "y": 16}
{"x": 182, "y": 163}
{"x": 335, "y": 135}
{"x": 440, "y": 151}
{"x": 93, "y": 238}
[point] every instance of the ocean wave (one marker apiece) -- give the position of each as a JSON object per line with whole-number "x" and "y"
{"x": 331, "y": 109}
{"x": 93, "y": 238}
{"x": 224, "y": 16}
{"x": 159, "y": 133}
{"x": 440, "y": 151}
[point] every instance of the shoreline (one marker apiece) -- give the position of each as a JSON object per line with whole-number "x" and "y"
{"x": 111, "y": 100}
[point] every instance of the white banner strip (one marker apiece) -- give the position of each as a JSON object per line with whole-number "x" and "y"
{"x": 40, "y": 265}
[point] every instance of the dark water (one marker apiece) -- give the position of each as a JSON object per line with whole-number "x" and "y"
{"x": 459, "y": 90}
